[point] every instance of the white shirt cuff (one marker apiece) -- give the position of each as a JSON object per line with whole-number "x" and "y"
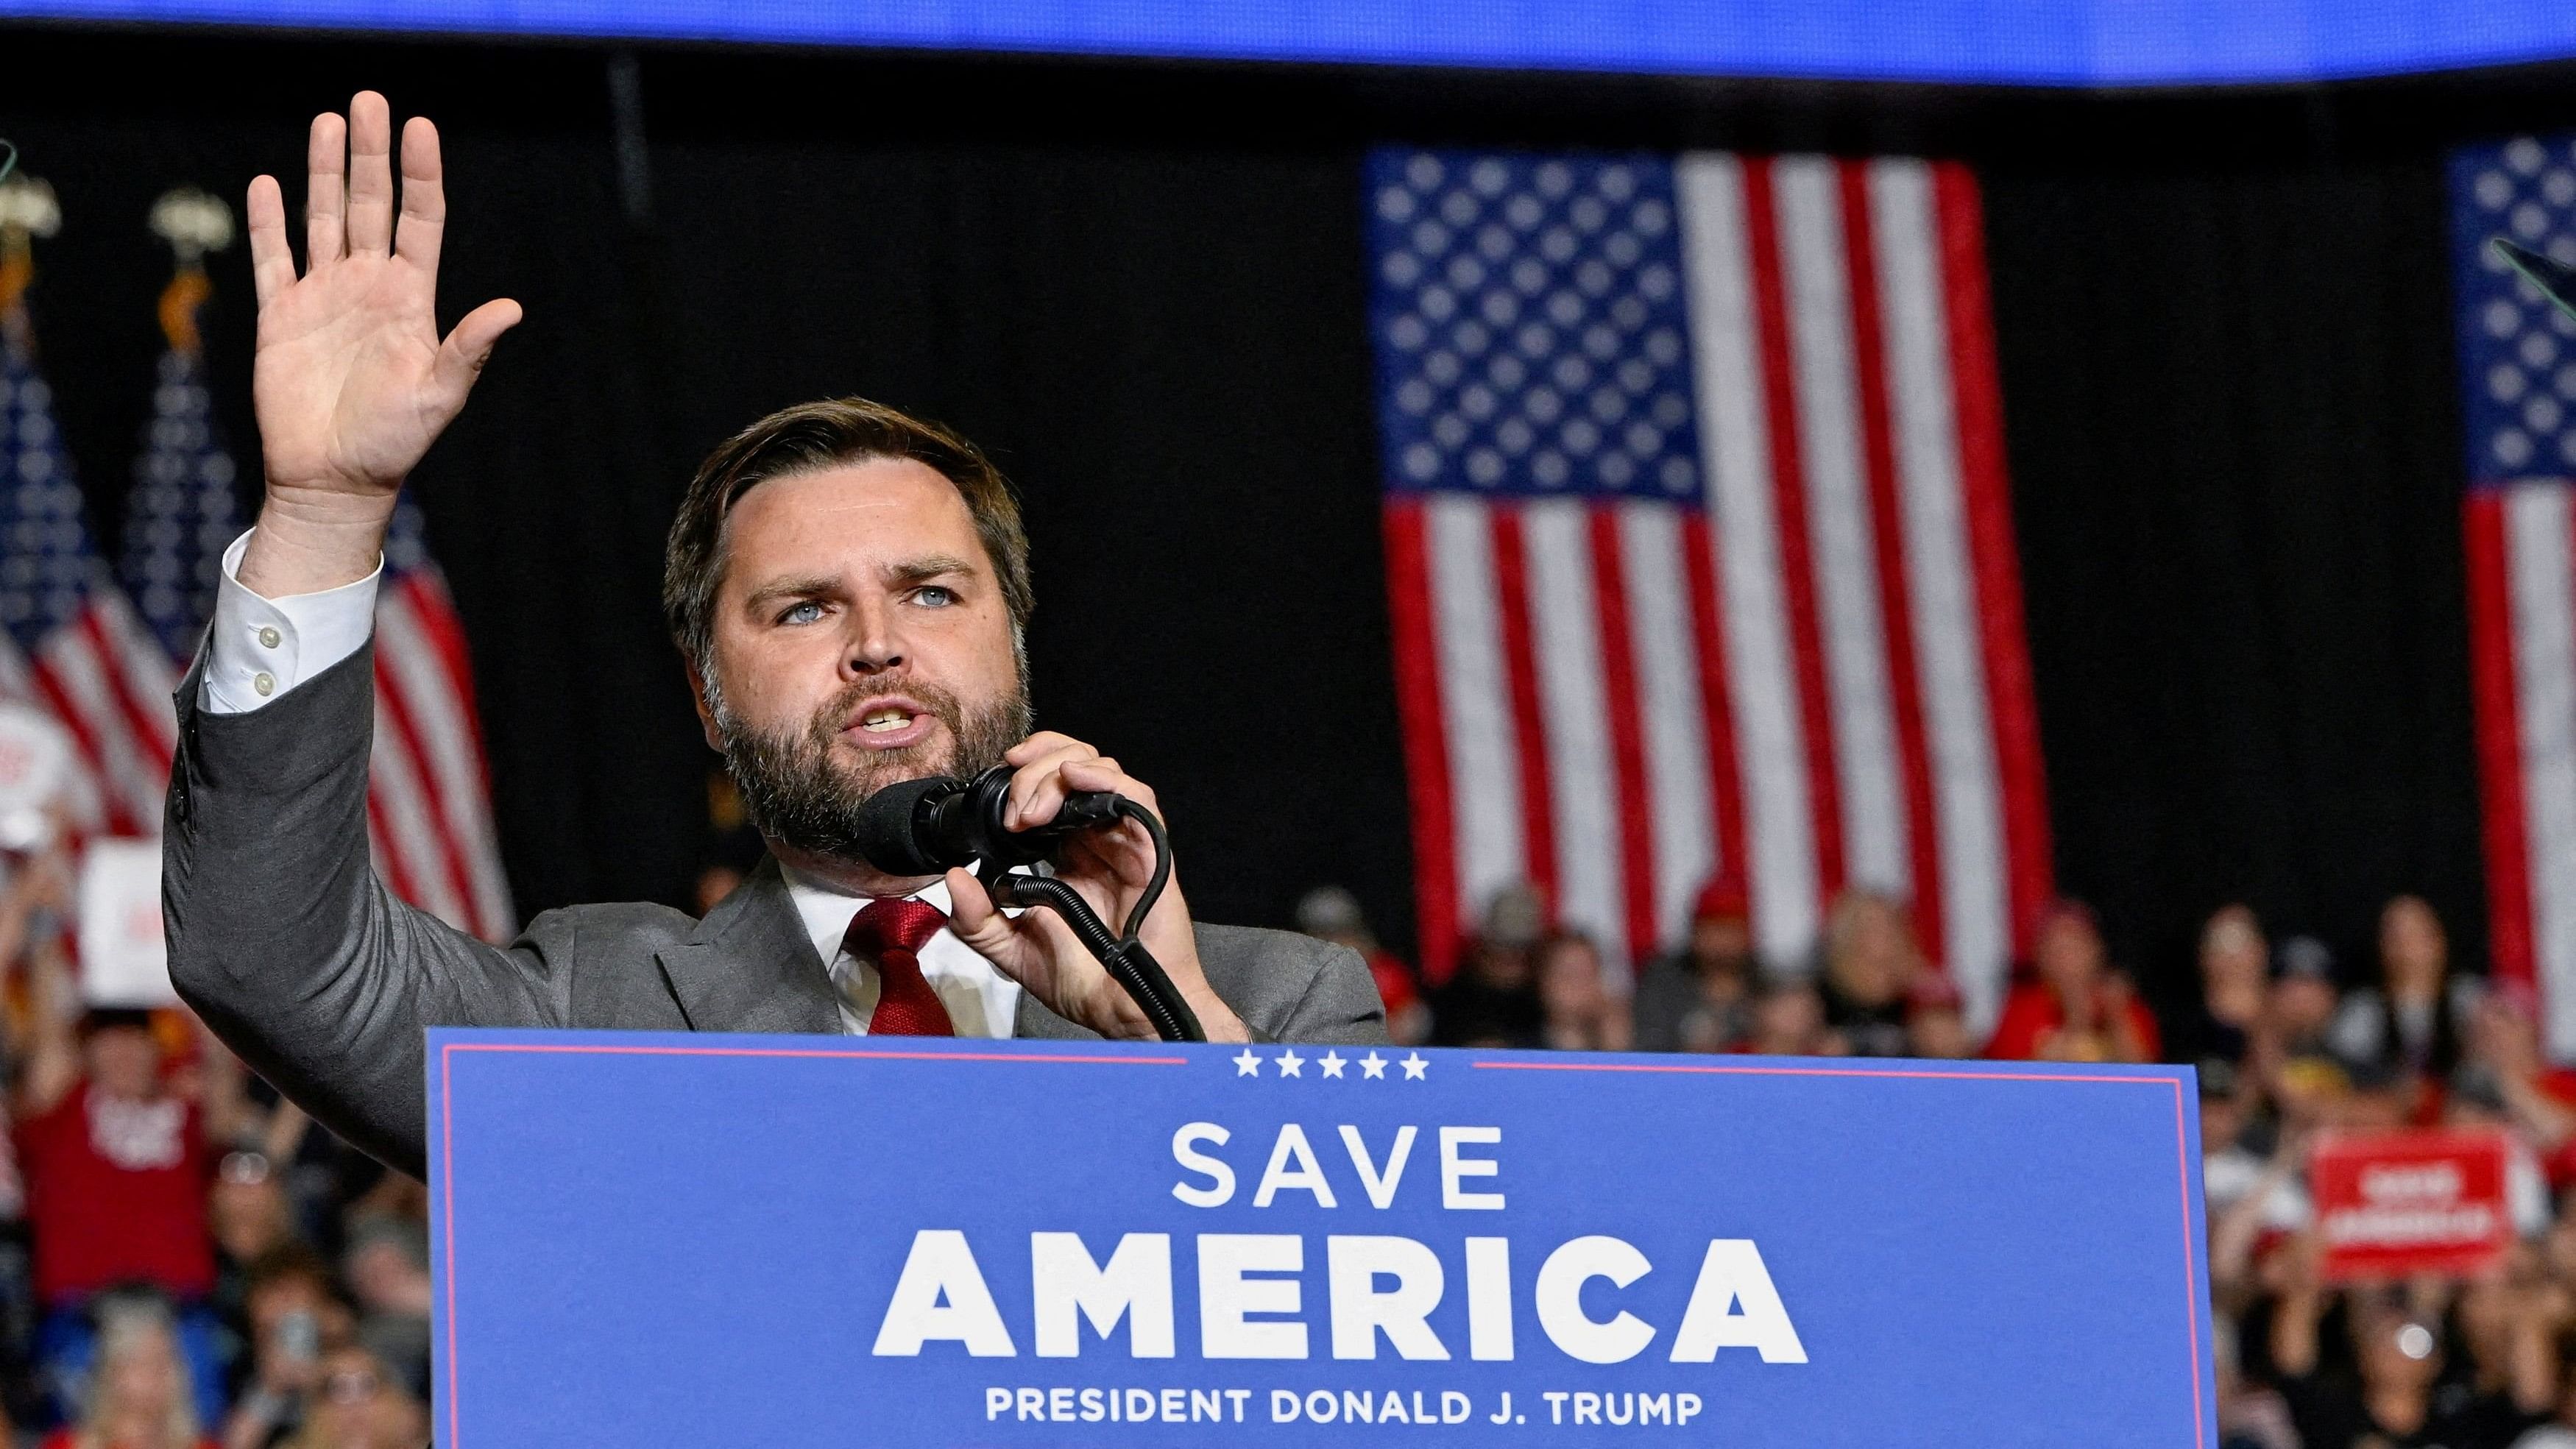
{"x": 261, "y": 648}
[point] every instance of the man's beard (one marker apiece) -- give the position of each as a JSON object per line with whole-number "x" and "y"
{"x": 801, "y": 794}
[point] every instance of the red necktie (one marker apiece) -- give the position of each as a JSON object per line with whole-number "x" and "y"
{"x": 889, "y": 934}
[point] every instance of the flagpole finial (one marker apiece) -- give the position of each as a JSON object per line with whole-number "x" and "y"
{"x": 27, "y": 209}
{"x": 193, "y": 223}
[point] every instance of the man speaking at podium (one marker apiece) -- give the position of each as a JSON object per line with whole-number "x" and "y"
{"x": 848, "y": 588}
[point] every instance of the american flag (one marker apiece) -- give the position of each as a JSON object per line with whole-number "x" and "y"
{"x": 1699, "y": 548}
{"x": 181, "y": 512}
{"x": 429, "y": 811}
{"x": 76, "y": 647}
{"x": 2518, "y": 385}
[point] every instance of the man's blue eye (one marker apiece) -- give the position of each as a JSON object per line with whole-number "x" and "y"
{"x": 804, "y": 613}
{"x": 935, "y": 596}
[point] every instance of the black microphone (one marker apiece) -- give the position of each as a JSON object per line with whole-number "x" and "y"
{"x": 922, "y": 827}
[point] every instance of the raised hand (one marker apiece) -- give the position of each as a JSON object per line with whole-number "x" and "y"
{"x": 351, "y": 380}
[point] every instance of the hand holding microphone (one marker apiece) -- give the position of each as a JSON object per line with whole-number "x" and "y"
{"x": 1060, "y": 800}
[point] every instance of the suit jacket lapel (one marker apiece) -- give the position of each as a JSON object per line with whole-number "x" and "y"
{"x": 750, "y": 967}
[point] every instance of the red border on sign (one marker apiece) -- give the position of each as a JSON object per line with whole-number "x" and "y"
{"x": 447, "y": 1137}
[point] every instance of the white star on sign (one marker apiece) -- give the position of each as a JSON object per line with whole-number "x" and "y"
{"x": 1247, "y": 1065}
{"x": 1289, "y": 1062}
{"x": 1332, "y": 1063}
{"x": 1413, "y": 1065}
{"x": 1372, "y": 1066}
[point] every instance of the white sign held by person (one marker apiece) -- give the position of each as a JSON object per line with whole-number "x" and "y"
{"x": 124, "y": 961}
{"x": 35, "y": 765}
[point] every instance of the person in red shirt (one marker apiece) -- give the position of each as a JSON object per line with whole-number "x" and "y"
{"x": 2073, "y": 1007}
{"x": 116, "y": 1167}
{"x": 117, "y": 1170}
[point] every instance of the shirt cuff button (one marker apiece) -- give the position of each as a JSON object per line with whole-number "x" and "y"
{"x": 268, "y": 636}
{"x": 265, "y": 683}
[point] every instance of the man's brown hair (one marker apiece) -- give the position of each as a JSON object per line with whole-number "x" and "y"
{"x": 809, "y": 438}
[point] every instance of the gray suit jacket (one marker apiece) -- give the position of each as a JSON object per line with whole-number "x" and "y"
{"x": 282, "y": 937}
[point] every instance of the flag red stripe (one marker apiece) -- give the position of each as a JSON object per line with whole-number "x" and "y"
{"x": 1788, "y": 482}
{"x": 1426, "y": 745}
{"x": 434, "y": 613}
{"x": 1887, "y": 536}
{"x": 2011, "y": 706}
{"x": 2499, "y": 736}
{"x": 120, "y": 818}
{"x": 1717, "y": 708}
{"x": 1529, "y": 724}
{"x": 151, "y": 739}
{"x": 451, "y": 858}
{"x": 1627, "y": 734}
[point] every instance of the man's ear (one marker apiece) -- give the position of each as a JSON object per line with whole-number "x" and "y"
{"x": 698, "y": 699}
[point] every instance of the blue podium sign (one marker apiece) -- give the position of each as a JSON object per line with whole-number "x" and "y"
{"x": 649, "y": 1240}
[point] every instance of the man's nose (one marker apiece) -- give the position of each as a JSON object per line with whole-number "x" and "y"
{"x": 873, "y": 645}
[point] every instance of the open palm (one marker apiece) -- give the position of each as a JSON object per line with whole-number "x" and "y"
{"x": 351, "y": 380}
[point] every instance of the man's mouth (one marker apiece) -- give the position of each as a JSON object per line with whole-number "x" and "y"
{"x": 890, "y": 724}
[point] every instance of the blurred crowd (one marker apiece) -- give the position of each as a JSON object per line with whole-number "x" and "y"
{"x": 185, "y": 1260}
{"x": 2289, "y": 1044}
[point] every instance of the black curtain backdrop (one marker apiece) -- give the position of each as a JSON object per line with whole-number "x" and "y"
{"x": 2227, "y": 373}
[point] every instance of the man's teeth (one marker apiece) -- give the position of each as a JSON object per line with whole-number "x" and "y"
{"x": 885, "y": 719}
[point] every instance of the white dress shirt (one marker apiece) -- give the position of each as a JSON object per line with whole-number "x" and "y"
{"x": 261, "y": 648}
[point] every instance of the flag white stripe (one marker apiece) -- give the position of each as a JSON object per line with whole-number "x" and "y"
{"x": 1565, "y": 634}
{"x": 85, "y": 794}
{"x": 81, "y": 800}
{"x": 1668, "y": 707}
{"x": 1475, "y": 700}
{"x": 74, "y": 666}
{"x": 144, "y": 668}
{"x": 1816, "y": 280}
{"x": 410, "y": 665}
{"x": 138, "y": 661}
{"x": 1735, "y": 445}
{"x": 133, "y": 670}
{"x": 82, "y": 676}
{"x": 397, "y": 799}
{"x": 1976, "y": 910}
{"x": 2544, "y": 659}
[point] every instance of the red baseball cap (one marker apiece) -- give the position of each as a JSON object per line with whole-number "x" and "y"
{"x": 1722, "y": 899}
